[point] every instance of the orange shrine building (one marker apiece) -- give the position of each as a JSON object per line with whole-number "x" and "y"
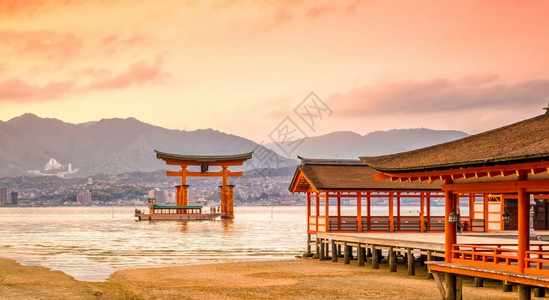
{"x": 359, "y": 203}
{"x": 507, "y": 169}
{"x": 342, "y": 196}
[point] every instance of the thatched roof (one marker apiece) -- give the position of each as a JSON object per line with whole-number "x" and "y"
{"x": 333, "y": 175}
{"x": 525, "y": 141}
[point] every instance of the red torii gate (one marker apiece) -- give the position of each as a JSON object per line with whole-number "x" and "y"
{"x": 205, "y": 162}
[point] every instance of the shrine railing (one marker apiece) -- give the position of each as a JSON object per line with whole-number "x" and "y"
{"x": 537, "y": 260}
{"x": 503, "y": 257}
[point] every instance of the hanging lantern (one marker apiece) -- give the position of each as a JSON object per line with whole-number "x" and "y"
{"x": 452, "y": 217}
{"x": 506, "y": 217}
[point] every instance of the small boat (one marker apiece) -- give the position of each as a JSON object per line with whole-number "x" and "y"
{"x": 174, "y": 213}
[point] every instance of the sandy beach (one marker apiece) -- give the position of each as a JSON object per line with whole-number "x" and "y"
{"x": 288, "y": 279}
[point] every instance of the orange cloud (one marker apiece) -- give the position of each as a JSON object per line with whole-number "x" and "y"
{"x": 115, "y": 39}
{"x": 318, "y": 10}
{"x": 15, "y": 7}
{"x": 41, "y": 43}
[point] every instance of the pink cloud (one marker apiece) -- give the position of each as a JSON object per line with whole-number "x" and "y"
{"x": 61, "y": 47}
{"x": 288, "y": 11}
{"x": 138, "y": 74}
{"x": 94, "y": 73}
{"x": 16, "y": 90}
{"x": 116, "y": 43}
{"x": 109, "y": 40}
{"x": 439, "y": 95}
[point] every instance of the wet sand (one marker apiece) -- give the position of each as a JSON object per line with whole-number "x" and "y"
{"x": 289, "y": 279}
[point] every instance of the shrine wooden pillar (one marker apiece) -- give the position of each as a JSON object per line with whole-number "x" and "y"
{"x": 338, "y": 210}
{"x": 428, "y": 210}
{"x": 523, "y": 227}
{"x": 391, "y": 220}
{"x": 317, "y": 208}
{"x": 449, "y": 228}
{"x": 308, "y": 208}
{"x": 485, "y": 211}
{"x": 369, "y": 210}
{"x": 471, "y": 210}
{"x": 327, "y": 210}
{"x": 338, "y": 205}
{"x": 422, "y": 212}
{"x": 359, "y": 212}
{"x": 398, "y": 211}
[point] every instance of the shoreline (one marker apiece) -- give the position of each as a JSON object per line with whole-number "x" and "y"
{"x": 296, "y": 279}
{"x": 104, "y": 276}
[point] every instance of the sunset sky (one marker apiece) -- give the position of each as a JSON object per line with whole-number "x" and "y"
{"x": 242, "y": 67}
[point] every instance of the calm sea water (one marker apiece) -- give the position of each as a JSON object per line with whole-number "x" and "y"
{"x": 90, "y": 243}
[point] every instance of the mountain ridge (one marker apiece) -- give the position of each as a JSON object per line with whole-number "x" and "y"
{"x": 351, "y": 145}
{"x": 117, "y": 145}
{"x": 109, "y": 146}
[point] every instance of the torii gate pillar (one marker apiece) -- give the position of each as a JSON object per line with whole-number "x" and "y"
{"x": 181, "y": 195}
{"x": 227, "y": 201}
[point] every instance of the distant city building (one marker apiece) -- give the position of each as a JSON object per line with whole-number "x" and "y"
{"x": 90, "y": 181}
{"x": 14, "y": 200}
{"x": 160, "y": 196}
{"x": 3, "y": 195}
{"x": 171, "y": 198}
{"x": 84, "y": 197}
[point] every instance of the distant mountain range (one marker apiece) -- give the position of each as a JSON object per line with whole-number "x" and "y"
{"x": 348, "y": 144}
{"x": 114, "y": 146}
{"x": 110, "y": 146}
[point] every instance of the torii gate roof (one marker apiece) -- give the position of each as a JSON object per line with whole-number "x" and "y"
{"x": 197, "y": 160}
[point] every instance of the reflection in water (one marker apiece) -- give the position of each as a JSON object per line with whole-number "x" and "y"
{"x": 228, "y": 225}
{"x": 183, "y": 227}
{"x": 89, "y": 243}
